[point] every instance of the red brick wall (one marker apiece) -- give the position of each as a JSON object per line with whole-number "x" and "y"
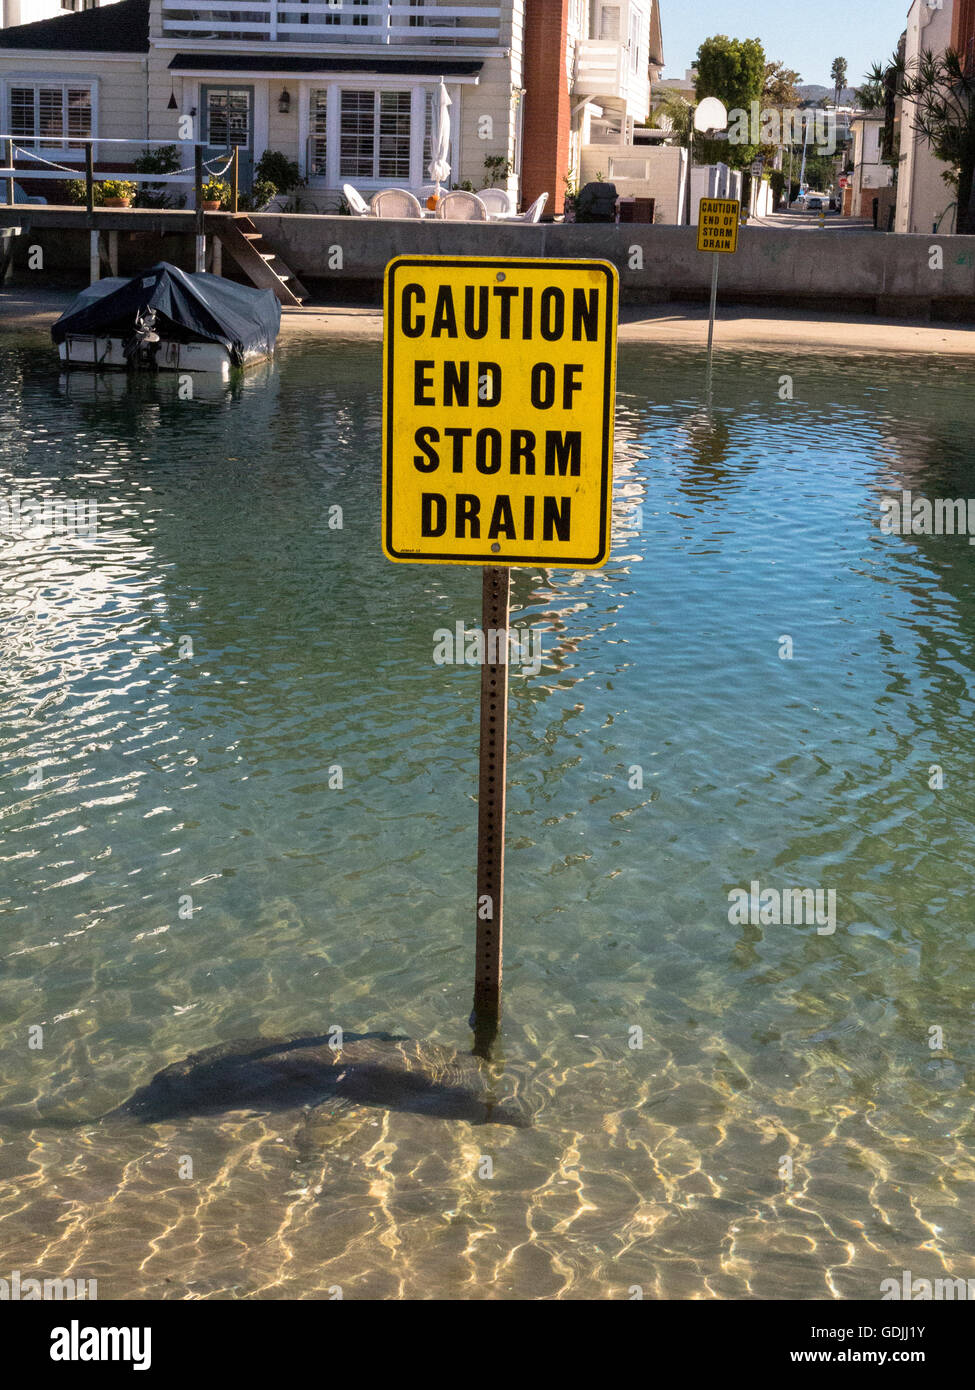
{"x": 545, "y": 137}
{"x": 963, "y": 30}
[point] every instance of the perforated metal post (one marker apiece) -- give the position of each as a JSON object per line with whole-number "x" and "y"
{"x": 495, "y": 589}
{"x": 714, "y": 302}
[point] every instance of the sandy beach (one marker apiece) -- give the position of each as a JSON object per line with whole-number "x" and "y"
{"x": 742, "y": 326}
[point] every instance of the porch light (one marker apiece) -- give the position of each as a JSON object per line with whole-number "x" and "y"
{"x": 284, "y": 102}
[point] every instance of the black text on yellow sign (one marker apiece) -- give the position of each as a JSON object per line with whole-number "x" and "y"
{"x": 499, "y": 389}
{"x": 717, "y": 224}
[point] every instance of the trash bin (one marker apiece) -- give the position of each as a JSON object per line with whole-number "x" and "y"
{"x": 597, "y": 203}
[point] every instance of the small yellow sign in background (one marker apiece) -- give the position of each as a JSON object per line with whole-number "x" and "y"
{"x": 717, "y": 224}
{"x": 499, "y": 386}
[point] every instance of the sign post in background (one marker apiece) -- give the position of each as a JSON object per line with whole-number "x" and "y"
{"x": 499, "y": 385}
{"x": 717, "y": 232}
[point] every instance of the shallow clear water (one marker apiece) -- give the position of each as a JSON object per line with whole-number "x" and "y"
{"x": 206, "y": 776}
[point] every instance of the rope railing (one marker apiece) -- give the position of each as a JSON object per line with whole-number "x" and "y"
{"x": 190, "y": 173}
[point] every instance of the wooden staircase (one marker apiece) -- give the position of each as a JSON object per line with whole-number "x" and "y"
{"x": 265, "y": 269}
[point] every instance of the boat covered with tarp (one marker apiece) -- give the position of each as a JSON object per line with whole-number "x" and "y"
{"x": 165, "y": 319}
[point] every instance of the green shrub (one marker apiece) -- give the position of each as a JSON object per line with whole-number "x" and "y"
{"x": 258, "y": 198}
{"x": 162, "y": 160}
{"x": 275, "y": 168}
{"x": 497, "y": 168}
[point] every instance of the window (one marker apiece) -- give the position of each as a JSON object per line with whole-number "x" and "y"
{"x": 50, "y": 116}
{"x": 228, "y": 116}
{"x": 636, "y": 21}
{"x": 374, "y": 135}
{"x": 609, "y": 22}
{"x": 318, "y": 123}
{"x": 394, "y": 135}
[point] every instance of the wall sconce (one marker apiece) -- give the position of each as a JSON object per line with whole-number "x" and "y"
{"x": 284, "y": 102}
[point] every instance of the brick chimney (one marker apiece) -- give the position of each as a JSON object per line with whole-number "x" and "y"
{"x": 545, "y": 134}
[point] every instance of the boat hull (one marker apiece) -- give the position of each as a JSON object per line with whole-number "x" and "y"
{"x": 80, "y": 350}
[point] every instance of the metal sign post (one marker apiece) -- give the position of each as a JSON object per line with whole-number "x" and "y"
{"x": 486, "y": 1015}
{"x": 717, "y": 232}
{"x": 714, "y": 301}
{"x": 498, "y": 406}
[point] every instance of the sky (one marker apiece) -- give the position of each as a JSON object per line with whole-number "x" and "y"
{"x": 805, "y": 37}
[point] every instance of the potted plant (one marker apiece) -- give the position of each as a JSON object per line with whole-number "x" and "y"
{"x": 117, "y": 193}
{"x": 215, "y": 192}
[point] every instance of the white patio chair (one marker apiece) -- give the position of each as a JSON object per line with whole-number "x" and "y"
{"x": 533, "y": 213}
{"x": 355, "y": 200}
{"x": 460, "y": 206}
{"x": 498, "y": 201}
{"x": 395, "y": 202}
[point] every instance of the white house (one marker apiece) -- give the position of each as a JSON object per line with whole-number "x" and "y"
{"x": 924, "y": 200}
{"x": 344, "y": 87}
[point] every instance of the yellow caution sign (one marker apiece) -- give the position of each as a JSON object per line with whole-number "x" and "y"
{"x": 499, "y": 388}
{"x": 717, "y": 224}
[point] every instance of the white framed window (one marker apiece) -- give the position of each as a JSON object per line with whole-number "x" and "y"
{"x": 375, "y": 134}
{"x": 609, "y": 23}
{"x": 636, "y": 25}
{"x": 318, "y": 132}
{"x": 51, "y": 115}
{"x": 371, "y": 136}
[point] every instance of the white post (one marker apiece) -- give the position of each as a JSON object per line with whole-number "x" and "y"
{"x": 201, "y": 254}
{"x": 94, "y": 258}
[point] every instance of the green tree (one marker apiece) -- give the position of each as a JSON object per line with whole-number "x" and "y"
{"x": 779, "y": 86}
{"x": 733, "y": 70}
{"x": 838, "y": 73}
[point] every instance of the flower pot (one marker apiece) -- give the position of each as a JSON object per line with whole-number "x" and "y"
{"x": 116, "y": 202}
{"x": 211, "y": 204}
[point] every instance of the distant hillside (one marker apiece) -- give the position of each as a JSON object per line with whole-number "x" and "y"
{"x": 809, "y": 91}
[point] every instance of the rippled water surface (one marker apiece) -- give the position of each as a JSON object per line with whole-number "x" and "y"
{"x": 179, "y": 868}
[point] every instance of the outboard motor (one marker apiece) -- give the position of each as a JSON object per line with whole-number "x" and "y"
{"x": 140, "y": 349}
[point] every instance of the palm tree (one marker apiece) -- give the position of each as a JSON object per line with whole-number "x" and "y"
{"x": 838, "y": 73}
{"x": 678, "y": 113}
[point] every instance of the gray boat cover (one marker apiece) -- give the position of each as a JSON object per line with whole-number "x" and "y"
{"x": 189, "y": 309}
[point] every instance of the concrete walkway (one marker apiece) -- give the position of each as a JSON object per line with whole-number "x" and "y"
{"x": 796, "y": 221}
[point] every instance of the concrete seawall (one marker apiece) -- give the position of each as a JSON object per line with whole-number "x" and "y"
{"x": 343, "y": 258}
{"x": 840, "y": 270}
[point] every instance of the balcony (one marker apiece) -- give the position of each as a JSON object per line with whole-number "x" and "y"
{"x": 346, "y": 22}
{"x": 604, "y": 69}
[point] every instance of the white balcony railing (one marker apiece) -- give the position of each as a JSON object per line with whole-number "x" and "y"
{"x": 604, "y": 69}
{"x": 332, "y": 21}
